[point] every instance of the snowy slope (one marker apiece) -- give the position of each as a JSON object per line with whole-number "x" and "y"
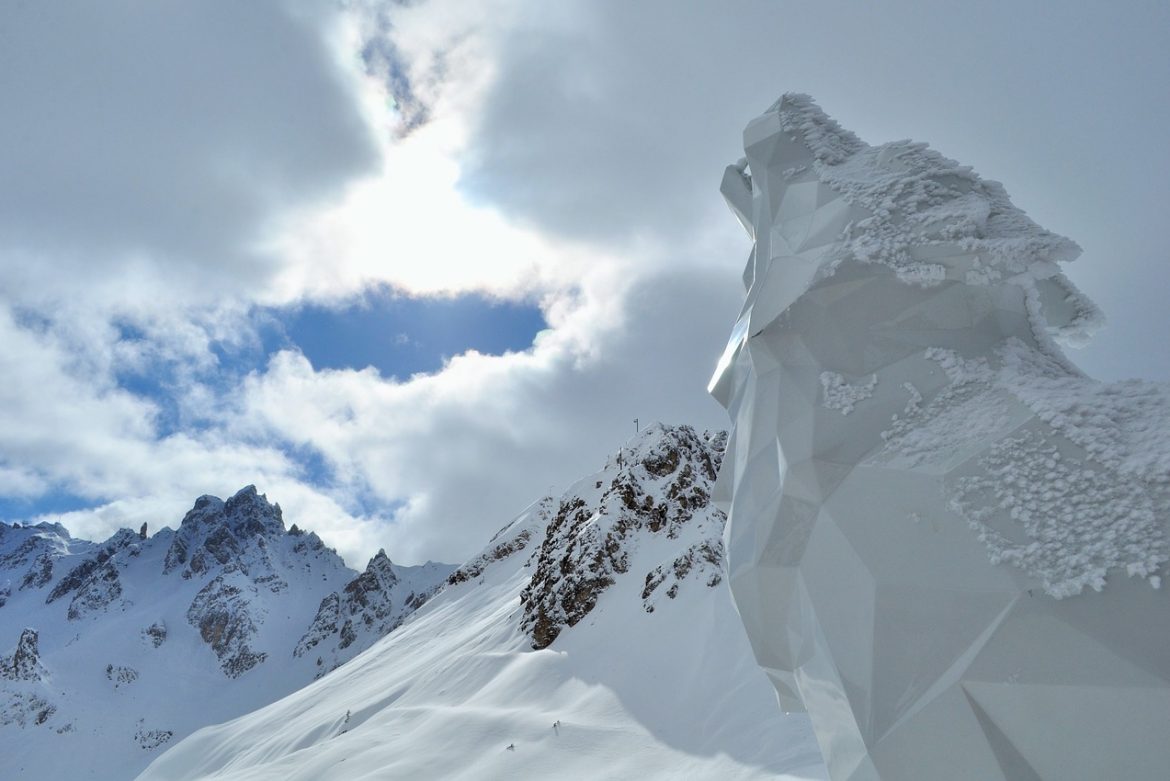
{"x": 594, "y": 637}
{"x": 140, "y": 640}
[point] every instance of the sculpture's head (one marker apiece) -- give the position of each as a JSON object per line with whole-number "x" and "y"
{"x": 813, "y": 198}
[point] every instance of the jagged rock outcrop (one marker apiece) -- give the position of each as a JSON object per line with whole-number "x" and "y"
{"x": 25, "y": 662}
{"x": 223, "y": 611}
{"x": 30, "y": 548}
{"x": 326, "y": 623}
{"x": 215, "y": 533}
{"x": 155, "y": 634}
{"x": 703, "y": 560}
{"x": 367, "y": 596}
{"x": 660, "y": 486}
{"x": 371, "y": 605}
{"x": 120, "y": 675}
{"x": 94, "y": 583}
{"x": 39, "y": 574}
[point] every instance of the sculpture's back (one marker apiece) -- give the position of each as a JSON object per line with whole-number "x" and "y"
{"x": 925, "y": 497}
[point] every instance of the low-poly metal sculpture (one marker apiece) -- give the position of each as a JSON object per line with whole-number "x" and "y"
{"x": 945, "y": 542}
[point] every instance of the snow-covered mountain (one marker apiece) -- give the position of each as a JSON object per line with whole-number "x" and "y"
{"x": 594, "y": 637}
{"x": 111, "y": 651}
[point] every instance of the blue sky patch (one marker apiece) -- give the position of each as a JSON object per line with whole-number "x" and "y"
{"x": 59, "y": 501}
{"x": 401, "y": 336}
{"x": 397, "y": 335}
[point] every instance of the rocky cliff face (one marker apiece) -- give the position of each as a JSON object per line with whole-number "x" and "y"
{"x": 240, "y": 544}
{"x": 25, "y": 662}
{"x": 227, "y": 614}
{"x": 28, "y": 553}
{"x": 370, "y": 606}
{"x": 94, "y": 584}
{"x": 660, "y": 487}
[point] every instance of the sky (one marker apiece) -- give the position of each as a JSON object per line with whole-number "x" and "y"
{"x": 409, "y": 266}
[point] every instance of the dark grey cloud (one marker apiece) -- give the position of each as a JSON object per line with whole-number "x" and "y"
{"x": 614, "y": 128}
{"x": 168, "y": 131}
{"x": 385, "y": 62}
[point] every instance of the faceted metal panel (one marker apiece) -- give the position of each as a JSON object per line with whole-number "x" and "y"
{"x": 890, "y": 581}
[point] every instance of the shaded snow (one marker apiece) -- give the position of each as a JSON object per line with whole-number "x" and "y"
{"x": 1077, "y": 481}
{"x": 840, "y": 394}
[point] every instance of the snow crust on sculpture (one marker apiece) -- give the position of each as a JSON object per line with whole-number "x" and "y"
{"x": 945, "y": 542}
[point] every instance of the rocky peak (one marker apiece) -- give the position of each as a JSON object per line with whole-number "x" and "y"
{"x": 52, "y": 530}
{"x": 21, "y": 544}
{"x": 95, "y": 583}
{"x": 13, "y": 530}
{"x": 215, "y": 532}
{"x": 246, "y": 512}
{"x": 25, "y": 662}
{"x": 663, "y": 475}
{"x": 206, "y": 509}
{"x": 657, "y": 450}
{"x": 379, "y": 571}
{"x": 658, "y": 484}
{"x": 368, "y": 607}
{"x": 250, "y": 513}
{"x": 369, "y": 592}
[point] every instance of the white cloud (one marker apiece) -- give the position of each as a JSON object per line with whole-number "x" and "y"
{"x": 167, "y": 169}
{"x": 472, "y": 445}
{"x": 144, "y": 147}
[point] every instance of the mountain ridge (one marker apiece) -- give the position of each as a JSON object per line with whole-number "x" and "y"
{"x": 121, "y": 646}
{"x": 592, "y": 636}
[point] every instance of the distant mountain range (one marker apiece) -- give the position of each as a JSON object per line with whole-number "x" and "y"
{"x": 121, "y": 648}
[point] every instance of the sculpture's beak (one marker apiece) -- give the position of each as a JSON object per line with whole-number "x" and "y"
{"x": 737, "y": 191}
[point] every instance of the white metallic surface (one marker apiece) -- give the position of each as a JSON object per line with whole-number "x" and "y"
{"x": 953, "y": 582}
